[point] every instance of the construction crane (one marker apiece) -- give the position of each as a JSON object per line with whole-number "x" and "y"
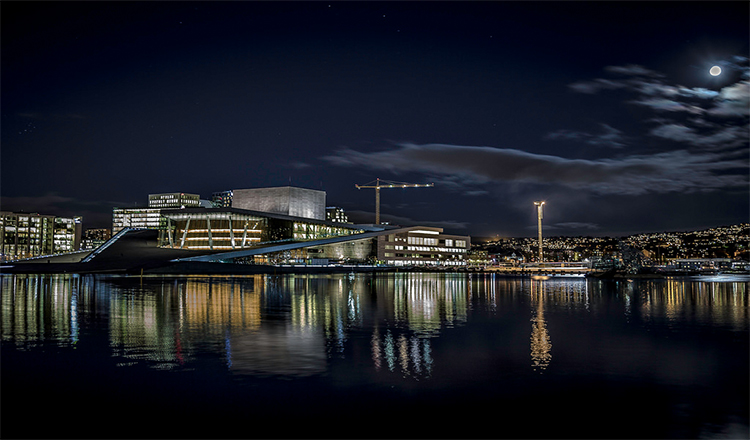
{"x": 377, "y": 184}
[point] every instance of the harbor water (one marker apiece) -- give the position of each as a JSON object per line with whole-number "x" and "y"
{"x": 392, "y": 355}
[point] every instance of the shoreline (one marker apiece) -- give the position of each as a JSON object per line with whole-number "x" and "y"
{"x": 205, "y": 268}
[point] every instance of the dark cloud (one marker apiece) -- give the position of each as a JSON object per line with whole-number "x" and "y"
{"x": 367, "y": 217}
{"x": 675, "y": 171}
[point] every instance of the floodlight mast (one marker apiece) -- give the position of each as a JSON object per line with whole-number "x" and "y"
{"x": 377, "y": 184}
{"x": 539, "y": 210}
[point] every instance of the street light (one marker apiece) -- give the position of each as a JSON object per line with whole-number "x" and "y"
{"x": 539, "y": 206}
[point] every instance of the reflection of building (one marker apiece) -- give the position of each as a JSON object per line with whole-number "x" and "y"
{"x": 38, "y": 307}
{"x": 25, "y": 235}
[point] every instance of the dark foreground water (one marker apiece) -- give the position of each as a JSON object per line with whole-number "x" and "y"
{"x": 386, "y": 356}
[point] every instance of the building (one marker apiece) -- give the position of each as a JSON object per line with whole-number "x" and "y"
{"x": 703, "y": 264}
{"x": 141, "y": 218}
{"x": 336, "y": 214}
{"x": 150, "y": 217}
{"x": 93, "y": 238}
{"x": 222, "y": 199}
{"x": 173, "y": 200}
{"x": 285, "y": 200}
{"x": 28, "y": 235}
{"x": 232, "y": 228}
{"x": 420, "y": 246}
{"x": 255, "y": 237}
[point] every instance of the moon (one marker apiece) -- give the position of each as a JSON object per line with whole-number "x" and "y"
{"x": 715, "y": 71}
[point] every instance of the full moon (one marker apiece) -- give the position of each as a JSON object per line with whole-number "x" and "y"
{"x": 715, "y": 71}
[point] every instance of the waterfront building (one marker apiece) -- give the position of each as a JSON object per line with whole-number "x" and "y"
{"x": 336, "y": 214}
{"x": 28, "y": 235}
{"x": 255, "y": 237}
{"x": 139, "y": 218}
{"x": 222, "y": 199}
{"x": 173, "y": 200}
{"x": 423, "y": 246}
{"x": 698, "y": 264}
{"x": 232, "y": 228}
{"x": 93, "y": 238}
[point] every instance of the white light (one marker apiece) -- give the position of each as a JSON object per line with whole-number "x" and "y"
{"x": 715, "y": 71}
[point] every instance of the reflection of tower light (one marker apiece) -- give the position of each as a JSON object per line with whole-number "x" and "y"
{"x": 540, "y": 340}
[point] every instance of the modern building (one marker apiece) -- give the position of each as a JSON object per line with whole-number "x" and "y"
{"x": 336, "y": 214}
{"x": 232, "y": 228}
{"x": 173, "y": 200}
{"x": 255, "y": 237}
{"x": 140, "y": 218}
{"x": 28, "y": 235}
{"x": 285, "y": 200}
{"x": 419, "y": 246}
{"x": 93, "y": 238}
{"x": 222, "y": 199}
{"x": 150, "y": 217}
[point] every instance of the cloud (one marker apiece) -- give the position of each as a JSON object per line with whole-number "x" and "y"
{"x": 610, "y": 137}
{"x": 723, "y": 138}
{"x": 633, "y": 69}
{"x": 668, "y": 105}
{"x": 364, "y": 217}
{"x": 694, "y": 116}
{"x": 733, "y": 100}
{"x": 676, "y": 171}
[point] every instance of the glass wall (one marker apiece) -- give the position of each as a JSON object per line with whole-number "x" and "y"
{"x": 227, "y": 230}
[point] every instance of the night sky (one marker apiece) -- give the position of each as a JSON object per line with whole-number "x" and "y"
{"x": 605, "y": 110}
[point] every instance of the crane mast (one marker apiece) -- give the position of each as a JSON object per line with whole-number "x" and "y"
{"x": 377, "y": 184}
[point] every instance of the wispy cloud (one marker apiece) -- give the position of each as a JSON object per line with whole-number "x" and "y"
{"x": 608, "y": 137}
{"x": 697, "y": 117}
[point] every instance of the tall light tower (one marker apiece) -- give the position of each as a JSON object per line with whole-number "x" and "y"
{"x": 539, "y": 208}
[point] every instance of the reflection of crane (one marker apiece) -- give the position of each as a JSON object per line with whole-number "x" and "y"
{"x": 377, "y": 184}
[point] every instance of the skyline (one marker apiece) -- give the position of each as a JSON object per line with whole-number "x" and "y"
{"x": 607, "y": 111}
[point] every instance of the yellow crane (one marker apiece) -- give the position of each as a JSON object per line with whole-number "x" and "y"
{"x": 377, "y": 184}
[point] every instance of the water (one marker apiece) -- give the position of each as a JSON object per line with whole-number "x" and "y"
{"x": 388, "y": 355}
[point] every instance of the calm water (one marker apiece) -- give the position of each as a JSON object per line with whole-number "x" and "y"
{"x": 396, "y": 355}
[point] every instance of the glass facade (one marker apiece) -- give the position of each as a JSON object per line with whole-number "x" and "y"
{"x": 173, "y": 200}
{"x": 28, "y": 235}
{"x": 222, "y": 229}
{"x": 142, "y": 218}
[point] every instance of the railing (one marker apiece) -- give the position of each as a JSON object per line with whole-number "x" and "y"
{"x": 107, "y": 244}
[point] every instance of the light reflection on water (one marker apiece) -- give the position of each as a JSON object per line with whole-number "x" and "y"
{"x": 440, "y": 329}
{"x": 290, "y": 325}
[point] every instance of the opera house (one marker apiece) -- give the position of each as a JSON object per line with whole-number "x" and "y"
{"x": 279, "y": 229}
